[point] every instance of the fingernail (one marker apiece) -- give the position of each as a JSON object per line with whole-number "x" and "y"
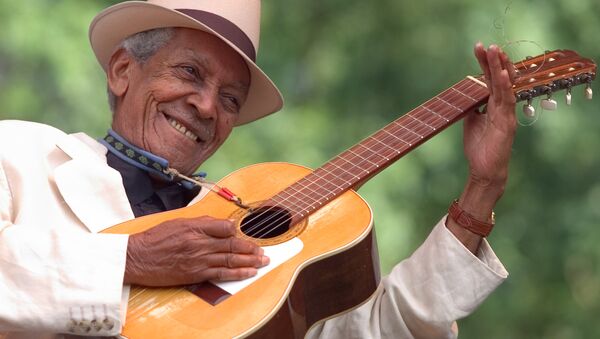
{"x": 265, "y": 260}
{"x": 260, "y": 251}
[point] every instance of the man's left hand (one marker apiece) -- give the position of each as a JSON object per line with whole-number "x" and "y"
{"x": 488, "y": 139}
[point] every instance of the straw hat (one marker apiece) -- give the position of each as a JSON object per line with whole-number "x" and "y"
{"x": 236, "y": 22}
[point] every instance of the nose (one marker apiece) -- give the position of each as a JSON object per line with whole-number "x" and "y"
{"x": 204, "y": 103}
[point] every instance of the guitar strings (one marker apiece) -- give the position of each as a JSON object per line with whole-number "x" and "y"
{"x": 301, "y": 195}
{"x": 382, "y": 153}
{"x": 419, "y": 123}
{"x": 369, "y": 143}
{"x": 356, "y": 161}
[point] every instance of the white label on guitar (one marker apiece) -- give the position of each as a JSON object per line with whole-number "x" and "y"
{"x": 277, "y": 253}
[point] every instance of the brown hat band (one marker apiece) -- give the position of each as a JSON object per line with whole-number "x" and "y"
{"x": 224, "y": 27}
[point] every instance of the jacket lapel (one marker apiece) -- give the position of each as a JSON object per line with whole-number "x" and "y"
{"x": 91, "y": 189}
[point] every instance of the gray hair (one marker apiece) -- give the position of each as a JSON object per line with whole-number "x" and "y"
{"x": 141, "y": 46}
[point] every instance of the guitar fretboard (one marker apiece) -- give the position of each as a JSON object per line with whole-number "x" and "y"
{"x": 367, "y": 158}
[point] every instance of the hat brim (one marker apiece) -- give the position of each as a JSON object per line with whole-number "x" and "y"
{"x": 111, "y": 26}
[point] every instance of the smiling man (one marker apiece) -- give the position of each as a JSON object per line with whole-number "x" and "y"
{"x": 181, "y": 74}
{"x": 182, "y": 103}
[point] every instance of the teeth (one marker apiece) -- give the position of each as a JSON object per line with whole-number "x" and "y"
{"x": 182, "y": 129}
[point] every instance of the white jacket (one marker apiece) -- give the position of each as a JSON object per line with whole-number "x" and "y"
{"x": 58, "y": 275}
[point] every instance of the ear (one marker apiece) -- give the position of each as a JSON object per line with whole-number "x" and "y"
{"x": 118, "y": 72}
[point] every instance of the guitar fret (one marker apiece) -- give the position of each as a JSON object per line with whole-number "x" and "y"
{"x": 397, "y": 138}
{"x": 304, "y": 206}
{"x": 295, "y": 199}
{"x": 328, "y": 191}
{"x": 449, "y": 104}
{"x": 436, "y": 113}
{"x": 370, "y": 150}
{"x": 343, "y": 170}
{"x": 415, "y": 124}
{"x": 299, "y": 191}
{"x": 434, "y": 120}
{"x": 330, "y": 179}
{"x": 462, "y": 102}
{"x": 463, "y": 94}
{"x": 326, "y": 184}
{"x": 413, "y": 132}
{"x": 379, "y": 149}
{"x": 364, "y": 158}
{"x": 384, "y": 144}
{"x": 422, "y": 122}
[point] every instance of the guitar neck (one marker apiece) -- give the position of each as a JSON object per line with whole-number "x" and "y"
{"x": 362, "y": 161}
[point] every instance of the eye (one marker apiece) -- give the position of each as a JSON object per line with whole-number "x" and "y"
{"x": 231, "y": 103}
{"x": 189, "y": 70}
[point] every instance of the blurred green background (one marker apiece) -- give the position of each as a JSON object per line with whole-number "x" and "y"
{"x": 348, "y": 67}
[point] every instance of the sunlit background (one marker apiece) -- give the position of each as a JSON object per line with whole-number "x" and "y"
{"x": 346, "y": 68}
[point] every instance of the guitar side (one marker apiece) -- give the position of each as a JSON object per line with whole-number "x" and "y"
{"x": 337, "y": 269}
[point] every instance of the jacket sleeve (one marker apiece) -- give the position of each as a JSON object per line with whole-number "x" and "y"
{"x": 58, "y": 282}
{"x": 424, "y": 295}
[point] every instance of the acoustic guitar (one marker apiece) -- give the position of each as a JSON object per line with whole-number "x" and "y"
{"x": 337, "y": 268}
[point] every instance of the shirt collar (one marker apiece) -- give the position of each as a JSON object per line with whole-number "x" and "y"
{"x": 140, "y": 187}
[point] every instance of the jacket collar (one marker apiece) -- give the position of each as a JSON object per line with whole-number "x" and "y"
{"x": 91, "y": 189}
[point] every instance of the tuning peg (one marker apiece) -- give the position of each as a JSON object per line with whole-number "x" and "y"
{"x": 528, "y": 110}
{"x": 549, "y": 104}
{"x": 568, "y": 97}
{"x": 588, "y": 91}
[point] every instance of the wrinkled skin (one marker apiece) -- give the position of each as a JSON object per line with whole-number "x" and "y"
{"x": 198, "y": 82}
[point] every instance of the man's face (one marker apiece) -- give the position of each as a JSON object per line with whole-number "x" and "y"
{"x": 182, "y": 103}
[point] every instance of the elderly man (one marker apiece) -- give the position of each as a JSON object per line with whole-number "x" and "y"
{"x": 181, "y": 74}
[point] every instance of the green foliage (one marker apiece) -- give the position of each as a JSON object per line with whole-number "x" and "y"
{"x": 348, "y": 67}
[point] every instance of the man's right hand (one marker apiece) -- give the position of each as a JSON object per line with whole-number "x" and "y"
{"x": 187, "y": 251}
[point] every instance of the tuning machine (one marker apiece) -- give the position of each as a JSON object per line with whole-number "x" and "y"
{"x": 568, "y": 97}
{"x": 588, "y": 91}
{"x": 548, "y": 104}
{"x": 528, "y": 109}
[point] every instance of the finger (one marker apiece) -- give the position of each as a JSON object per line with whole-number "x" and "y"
{"x": 227, "y": 274}
{"x": 481, "y": 56}
{"x": 506, "y": 117}
{"x": 218, "y": 228}
{"x": 231, "y": 260}
{"x": 508, "y": 96}
{"x": 234, "y": 245}
{"x": 509, "y": 66}
{"x": 493, "y": 58}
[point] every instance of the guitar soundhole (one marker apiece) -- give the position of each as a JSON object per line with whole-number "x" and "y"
{"x": 266, "y": 222}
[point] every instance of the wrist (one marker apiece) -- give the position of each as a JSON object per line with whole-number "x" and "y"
{"x": 477, "y": 226}
{"x": 479, "y": 199}
{"x": 468, "y": 229}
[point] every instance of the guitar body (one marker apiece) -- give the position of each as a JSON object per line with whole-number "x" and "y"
{"x": 336, "y": 270}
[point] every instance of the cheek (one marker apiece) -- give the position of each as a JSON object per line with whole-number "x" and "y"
{"x": 166, "y": 87}
{"x": 226, "y": 125}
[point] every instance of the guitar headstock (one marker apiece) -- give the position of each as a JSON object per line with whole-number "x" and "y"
{"x": 551, "y": 72}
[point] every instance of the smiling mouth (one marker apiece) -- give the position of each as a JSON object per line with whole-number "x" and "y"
{"x": 183, "y": 130}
